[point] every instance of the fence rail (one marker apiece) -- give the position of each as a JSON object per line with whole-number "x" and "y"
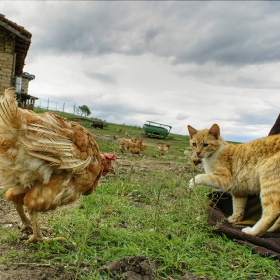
{"x": 54, "y": 106}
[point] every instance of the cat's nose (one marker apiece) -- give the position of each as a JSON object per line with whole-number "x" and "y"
{"x": 198, "y": 153}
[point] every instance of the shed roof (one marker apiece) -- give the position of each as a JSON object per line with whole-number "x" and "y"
{"x": 22, "y": 41}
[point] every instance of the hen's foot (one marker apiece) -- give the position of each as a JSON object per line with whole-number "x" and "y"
{"x": 47, "y": 229}
{"x": 25, "y": 227}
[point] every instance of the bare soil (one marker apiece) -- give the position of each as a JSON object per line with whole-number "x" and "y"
{"x": 28, "y": 270}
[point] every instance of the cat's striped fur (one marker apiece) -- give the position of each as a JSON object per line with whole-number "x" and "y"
{"x": 243, "y": 169}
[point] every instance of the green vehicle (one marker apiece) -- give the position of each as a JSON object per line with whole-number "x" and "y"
{"x": 154, "y": 129}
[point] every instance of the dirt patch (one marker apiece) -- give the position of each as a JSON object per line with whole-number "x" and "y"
{"x": 132, "y": 268}
{"x": 22, "y": 270}
{"x": 38, "y": 273}
{"x": 146, "y": 164}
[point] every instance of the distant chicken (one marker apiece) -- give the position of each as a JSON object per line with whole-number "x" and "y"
{"x": 134, "y": 146}
{"x": 163, "y": 149}
{"x": 45, "y": 162}
{"x": 134, "y": 139}
{"x": 114, "y": 138}
{"x": 124, "y": 144}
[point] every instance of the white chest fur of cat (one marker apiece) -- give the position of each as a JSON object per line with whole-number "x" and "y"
{"x": 242, "y": 169}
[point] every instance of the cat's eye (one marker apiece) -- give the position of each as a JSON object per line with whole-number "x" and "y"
{"x": 194, "y": 144}
{"x": 205, "y": 145}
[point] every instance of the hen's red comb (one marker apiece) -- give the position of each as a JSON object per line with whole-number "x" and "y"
{"x": 110, "y": 156}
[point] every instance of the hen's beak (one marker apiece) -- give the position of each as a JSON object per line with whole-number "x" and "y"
{"x": 112, "y": 170}
{"x": 106, "y": 171}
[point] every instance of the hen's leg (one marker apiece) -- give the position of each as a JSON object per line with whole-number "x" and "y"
{"x": 25, "y": 224}
{"x": 37, "y": 235}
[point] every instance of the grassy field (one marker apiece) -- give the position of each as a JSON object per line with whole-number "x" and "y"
{"x": 145, "y": 209}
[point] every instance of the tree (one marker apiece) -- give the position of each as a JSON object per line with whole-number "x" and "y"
{"x": 83, "y": 110}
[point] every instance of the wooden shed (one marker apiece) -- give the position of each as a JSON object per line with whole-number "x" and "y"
{"x": 15, "y": 41}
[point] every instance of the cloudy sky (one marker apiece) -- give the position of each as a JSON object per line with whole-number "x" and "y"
{"x": 172, "y": 62}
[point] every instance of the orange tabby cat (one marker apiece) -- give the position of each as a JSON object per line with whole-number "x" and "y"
{"x": 244, "y": 169}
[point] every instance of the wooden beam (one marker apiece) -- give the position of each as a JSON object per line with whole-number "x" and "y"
{"x": 13, "y": 30}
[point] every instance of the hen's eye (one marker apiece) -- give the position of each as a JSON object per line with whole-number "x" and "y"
{"x": 205, "y": 145}
{"x": 194, "y": 144}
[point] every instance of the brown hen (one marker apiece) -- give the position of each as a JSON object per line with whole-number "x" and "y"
{"x": 163, "y": 149}
{"x": 45, "y": 162}
{"x": 135, "y": 146}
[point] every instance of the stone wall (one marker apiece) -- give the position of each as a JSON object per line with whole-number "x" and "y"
{"x": 6, "y": 59}
{"x": 24, "y": 85}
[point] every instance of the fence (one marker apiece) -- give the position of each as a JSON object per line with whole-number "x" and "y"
{"x": 54, "y": 106}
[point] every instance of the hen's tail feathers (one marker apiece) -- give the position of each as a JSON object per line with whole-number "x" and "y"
{"x": 8, "y": 115}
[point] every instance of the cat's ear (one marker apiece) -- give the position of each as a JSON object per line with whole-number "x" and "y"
{"x": 192, "y": 131}
{"x": 214, "y": 131}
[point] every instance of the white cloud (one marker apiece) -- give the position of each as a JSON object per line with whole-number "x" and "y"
{"x": 182, "y": 116}
{"x": 172, "y": 62}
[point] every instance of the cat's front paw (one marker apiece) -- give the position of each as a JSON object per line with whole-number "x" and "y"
{"x": 191, "y": 183}
{"x": 195, "y": 181}
{"x": 248, "y": 230}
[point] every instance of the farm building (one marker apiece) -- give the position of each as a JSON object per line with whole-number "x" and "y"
{"x": 14, "y": 45}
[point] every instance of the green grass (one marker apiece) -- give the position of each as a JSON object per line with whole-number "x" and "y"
{"x": 144, "y": 213}
{"x": 162, "y": 220}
